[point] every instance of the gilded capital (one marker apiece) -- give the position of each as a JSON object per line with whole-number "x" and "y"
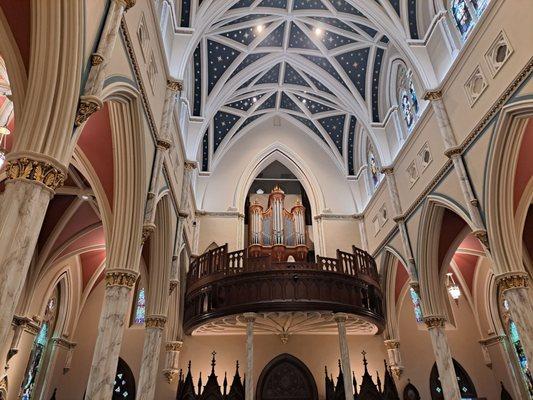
{"x": 510, "y": 281}
{"x": 155, "y": 321}
{"x": 190, "y": 165}
{"x": 175, "y": 86}
{"x": 340, "y": 317}
{"x": 170, "y": 374}
{"x": 129, "y": 3}
{"x": 249, "y": 317}
{"x": 482, "y": 236}
{"x": 387, "y": 170}
{"x": 148, "y": 229}
{"x": 87, "y": 106}
{"x": 434, "y": 321}
{"x": 126, "y": 278}
{"x": 96, "y": 59}
{"x": 38, "y": 171}
{"x": 453, "y": 151}
{"x": 433, "y": 95}
{"x": 392, "y": 344}
{"x": 172, "y": 286}
{"x": 165, "y": 143}
{"x": 174, "y": 346}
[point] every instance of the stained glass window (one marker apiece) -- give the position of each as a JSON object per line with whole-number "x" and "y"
{"x": 140, "y": 307}
{"x": 466, "y": 387}
{"x": 124, "y": 383}
{"x": 416, "y": 304}
{"x": 465, "y": 13}
{"x": 514, "y": 337}
{"x": 39, "y": 348}
{"x": 373, "y": 167}
{"x": 407, "y": 98}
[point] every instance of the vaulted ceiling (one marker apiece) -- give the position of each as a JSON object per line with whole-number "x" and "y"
{"x": 318, "y": 63}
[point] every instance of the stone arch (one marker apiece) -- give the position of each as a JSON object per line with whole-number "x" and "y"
{"x": 286, "y": 365}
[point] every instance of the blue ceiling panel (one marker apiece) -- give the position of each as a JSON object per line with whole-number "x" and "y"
{"x": 248, "y": 121}
{"x": 288, "y": 104}
{"x": 244, "y": 35}
{"x": 292, "y": 77}
{"x": 242, "y": 3}
{"x": 249, "y": 59}
{"x": 314, "y": 107}
{"x": 323, "y": 63}
{"x": 245, "y": 104}
{"x": 413, "y": 26}
{"x": 269, "y": 103}
{"x": 272, "y": 76}
{"x": 396, "y": 5}
{"x": 220, "y": 58}
{"x": 319, "y": 85}
{"x": 332, "y": 40}
{"x": 275, "y": 38}
{"x": 354, "y": 64}
{"x": 375, "y": 84}
{"x": 345, "y": 7}
{"x": 273, "y": 3}
{"x": 299, "y": 40}
{"x": 351, "y": 143}
{"x": 309, "y": 124}
{"x": 197, "y": 107}
{"x": 334, "y": 126}
{"x": 308, "y": 5}
{"x": 205, "y": 151}
{"x": 222, "y": 124}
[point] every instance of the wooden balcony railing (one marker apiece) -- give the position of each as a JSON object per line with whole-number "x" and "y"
{"x": 221, "y": 283}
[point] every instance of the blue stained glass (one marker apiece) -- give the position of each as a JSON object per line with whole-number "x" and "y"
{"x": 416, "y": 304}
{"x": 140, "y": 308}
{"x": 461, "y": 15}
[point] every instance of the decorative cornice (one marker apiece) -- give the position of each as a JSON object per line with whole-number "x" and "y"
{"x": 174, "y": 346}
{"x": 37, "y": 171}
{"x": 125, "y": 278}
{"x": 155, "y": 321}
{"x": 392, "y": 344}
{"x": 431, "y": 95}
{"x": 63, "y": 342}
{"x": 174, "y": 85}
{"x": 96, "y": 59}
{"x": 434, "y": 321}
{"x": 148, "y": 229}
{"x": 492, "y": 340}
{"x": 87, "y": 106}
{"x": 513, "y": 280}
{"x": 482, "y": 236}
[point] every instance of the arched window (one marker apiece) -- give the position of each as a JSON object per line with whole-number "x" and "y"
{"x": 140, "y": 307}
{"x": 514, "y": 338}
{"x": 39, "y": 346}
{"x": 124, "y": 384}
{"x": 373, "y": 168}
{"x": 416, "y": 304}
{"x": 407, "y": 98}
{"x": 465, "y": 13}
{"x": 466, "y": 387}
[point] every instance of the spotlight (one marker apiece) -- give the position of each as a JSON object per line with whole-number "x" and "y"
{"x": 254, "y": 99}
{"x": 260, "y": 28}
{"x": 85, "y": 197}
{"x": 260, "y": 191}
{"x": 318, "y": 31}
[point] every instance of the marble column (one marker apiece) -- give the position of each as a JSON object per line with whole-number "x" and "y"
{"x": 249, "y": 392}
{"x": 119, "y": 284}
{"x": 515, "y": 288}
{"x": 90, "y": 101}
{"x": 172, "y": 360}
{"x": 443, "y": 357}
{"x": 395, "y": 357}
{"x": 341, "y": 318}
{"x": 150, "y": 358}
{"x": 30, "y": 186}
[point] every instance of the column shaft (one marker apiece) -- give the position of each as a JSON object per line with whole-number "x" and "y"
{"x": 249, "y": 392}
{"x": 345, "y": 356}
{"x": 150, "y": 359}
{"x": 443, "y": 358}
{"x": 520, "y": 307}
{"x": 22, "y": 209}
{"x": 110, "y": 332}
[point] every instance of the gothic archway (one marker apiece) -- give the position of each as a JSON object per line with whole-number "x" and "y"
{"x": 286, "y": 378}
{"x": 466, "y": 386}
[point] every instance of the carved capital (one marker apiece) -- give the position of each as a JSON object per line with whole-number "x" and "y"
{"x": 399, "y": 219}
{"x": 165, "y": 144}
{"x": 190, "y": 165}
{"x": 510, "y": 281}
{"x": 96, "y": 59}
{"x": 397, "y": 371}
{"x": 414, "y": 285}
{"x": 172, "y": 286}
{"x": 492, "y": 340}
{"x": 175, "y": 86}
{"x": 433, "y": 95}
{"x": 392, "y": 344}
{"x": 63, "y": 342}
{"x": 87, "y": 106}
{"x": 434, "y": 321}
{"x": 170, "y": 374}
{"x": 126, "y": 278}
{"x": 340, "y": 317}
{"x": 482, "y": 236}
{"x": 387, "y": 170}
{"x": 129, "y": 3}
{"x": 37, "y": 171}
{"x": 174, "y": 346}
{"x": 453, "y": 151}
{"x": 155, "y": 321}
{"x": 249, "y": 317}
{"x": 148, "y": 229}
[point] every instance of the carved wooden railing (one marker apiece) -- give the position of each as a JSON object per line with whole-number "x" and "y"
{"x": 221, "y": 283}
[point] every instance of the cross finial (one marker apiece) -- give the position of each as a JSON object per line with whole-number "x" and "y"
{"x": 213, "y": 361}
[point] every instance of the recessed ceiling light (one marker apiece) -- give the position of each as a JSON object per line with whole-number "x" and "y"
{"x": 304, "y": 101}
{"x": 254, "y": 99}
{"x": 260, "y": 28}
{"x": 85, "y": 197}
{"x": 260, "y": 191}
{"x": 318, "y": 31}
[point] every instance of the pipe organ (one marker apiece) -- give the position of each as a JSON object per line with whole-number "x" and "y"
{"x": 277, "y": 231}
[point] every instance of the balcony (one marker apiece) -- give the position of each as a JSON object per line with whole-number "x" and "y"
{"x": 221, "y": 284}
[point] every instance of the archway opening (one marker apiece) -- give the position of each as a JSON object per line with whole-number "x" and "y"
{"x": 278, "y": 212}
{"x": 286, "y": 378}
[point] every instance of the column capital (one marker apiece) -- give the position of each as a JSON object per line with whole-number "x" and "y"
{"x": 64, "y": 342}
{"x": 176, "y": 345}
{"x": 392, "y": 344}
{"x": 492, "y": 340}
{"x": 435, "y": 94}
{"x": 96, "y": 59}
{"x": 37, "y": 169}
{"x": 434, "y": 321}
{"x": 414, "y": 285}
{"x": 175, "y": 85}
{"x": 340, "y": 317}
{"x": 87, "y": 106}
{"x": 190, "y": 165}
{"x": 172, "y": 286}
{"x": 148, "y": 229}
{"x": 170, "y": 374}
{"x": 249, "y": 317}
{"x": 482, "y": 236}
{"x": 121, "y": 277}
{"x": 454, "y": 151}
{"x": 387, "y": 170}
{"x": 129, "y": 3}
{"x": 163, "y": 143}
{"x": 513, "y": 280}
{"x": 155, "y": 321}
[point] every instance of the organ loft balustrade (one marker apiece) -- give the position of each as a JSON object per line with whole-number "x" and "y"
{"x": 221, "y": 284}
